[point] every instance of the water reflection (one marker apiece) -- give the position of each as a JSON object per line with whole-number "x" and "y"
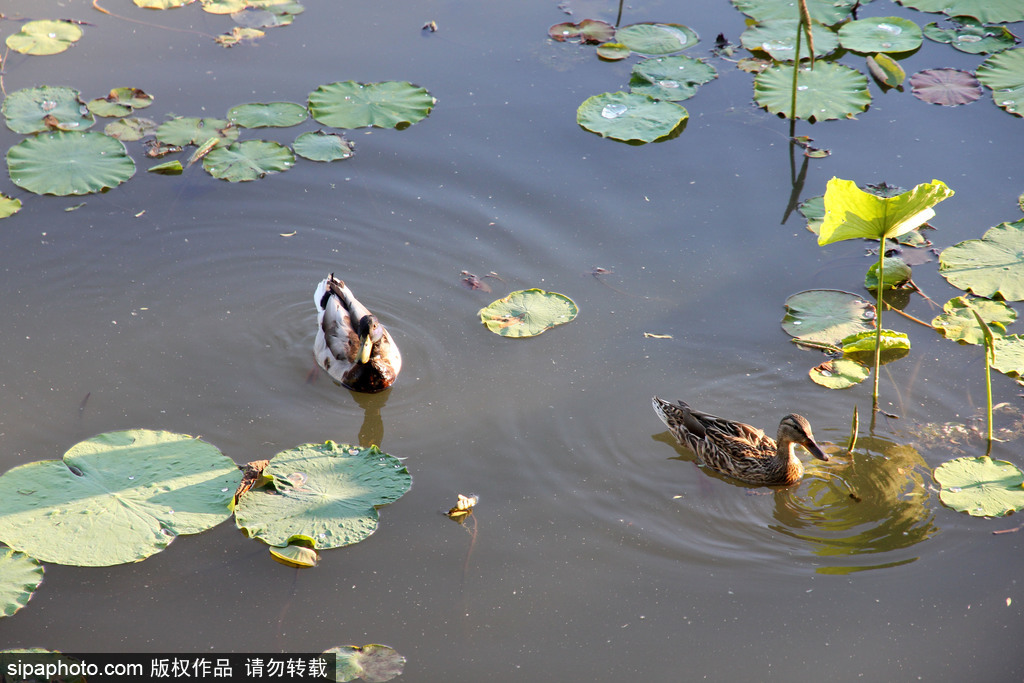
{"x": 371, "y": 432}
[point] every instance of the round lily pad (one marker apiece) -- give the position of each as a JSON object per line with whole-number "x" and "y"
{"x": 948, "y": 87}
{"x": 587, "y": 31}
{"x": 840, "y": 373}
{"x": 9, "y": 206}
{"x": 391, "y": 104}
{"x": 115, "y": 498}
{"x": 656, "y": 39}
{"x": 1003, "y": 74}
{"x": 969, "y": 35}
{"x": 828, "y": 12}
{"x": 130, "y": 128}
{"x": 320, "y": 146}
{"x": 44, "y": 37}
{"x": 630, "y": 117}
{"x": 778, "y": 39}
{"x": 827, "y": 315}
{"x": 248, "y": 160}
{"x": 981, "y": 487}
{"x": 62, "y": 163}
{"x": 34, "y": 110}
{"x": 272, "y": 114}
{"x": 828, "y": 91}
{"x": 527, "y": 313}
{"x": 189, "y": 130}
{"x": 20, "y": 575}
{"x": 327, "y": 493}
{"x": 998, "y": 11}
{"x": 959, "y": 324}
{"x": 613, "y": 52}
{"x": 991, "y": 266}
{"x": 670, "y": 78}
{"x": 880, "y": 34}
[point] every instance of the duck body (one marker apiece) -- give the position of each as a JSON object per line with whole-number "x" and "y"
{"x": 351, "y": 345}
{"x": 739, "y": 450}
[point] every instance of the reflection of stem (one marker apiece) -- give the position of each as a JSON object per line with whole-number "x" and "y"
{"x": 853, "y": 493}
{"x": 618, "y": 17}
{"x": 908, "y": 316}
{"x": 472, "y": 542}
{"x": 878, "y": 329}
{"x": 853, "y": 432}
{"x": 96, "y": 6}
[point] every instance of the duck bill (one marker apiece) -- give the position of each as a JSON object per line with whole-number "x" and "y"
{"x": 366, "y": 350}
{"x": 816, "y": 451}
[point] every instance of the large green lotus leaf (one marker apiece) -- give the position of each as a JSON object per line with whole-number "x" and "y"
{"x": 9, "y": 206}
{"x": 391, "y": 104}
{"x": 20, "y": 575}
{"x": 839, "y": 373}
{"x": 371, "y": 663}
{"x": 861, "y": 346}
{"x": 630, "y": 117}
{"x": 778, "y": 38}
{"x": 328, "y": 493}
{"x": 271, "y": 114}
{"x": 656, "y": 39}
{"x": 852, "y": 213}
{"x": 990, "y": 267}
{"x": 998, "y": 11}
{"x": 670, "y": 78}
{"x": 248, "y": 160}
{"x": 981, "y": 487}
{"x": 969, "y": 35}
{"x": 195, "y": 131}
{"x": 959, "y": 324}
{"x": 63, "y": 164}
{"x": 44, "y": 37}
{"x": 827, "y": 12}
{"x": 880, "y": 34}
{"x": 1003, "y": 73}
{"x": 34, "y": 110}
{"x": 827, "y": 315}
{"x": 115, "y": 498}
{"x": 527, "y": 313}
{"x": 1009, "y": 355}
{"x": 828, "y": 91}
{"x": 320, "y": 146}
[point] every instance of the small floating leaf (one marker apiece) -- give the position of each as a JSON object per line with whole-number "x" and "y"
{"x": 63, "y": 164}
{"x": 829, "y": 91}
{"x": 20, "y": 575}
{"x": 298, "y": 556}
{"x": 184, "y": 131}
{"x": 613, "y": 52}
{"x": 886, "y": 70}
{"x": 990, "y": 267}
{"x": 168, "y": 168}
{"x": 248, "y": 160}
{"x": 1003, "y": 74}
{"x": 981, "y": 487}
{"x": 371, "y": 663}
{"x": 971, "y": 36}
{"x": 44, "y": 37}
{"x": 840, "y": 373}
{"x": 958, "y": 322}
{"x": 463, "y": 508}
{"x": 320, "y": 146}
{"x": 656, "y": 39}
{"x": 861, "y": 346}
{"x": 880, "y": 34}
{"x": 1009, "y": 355}
{"x": 9, "y": 206}
{"x": 948, "y": 87}
{"x": 272, "y": 114}
{"x": 827, "y": 315}
{"x": 630, "y": 117}
{"x": 527, "y": 313}
{"x": 34, "y": 110}
{"x": 391, "y": 104}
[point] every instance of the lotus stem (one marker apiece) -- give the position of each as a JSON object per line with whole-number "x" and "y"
{"x": 878, "y": 328}
{"x": 854, "y": 426}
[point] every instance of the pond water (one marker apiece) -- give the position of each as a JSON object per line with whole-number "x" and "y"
{"x": 601, "y": 552}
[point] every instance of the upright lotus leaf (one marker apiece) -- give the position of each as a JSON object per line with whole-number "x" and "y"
{"x": 271, "y": 114}
{"x": 63, "y": 164}
{"x": 34, "y": 110}
{"x": 886, "y": 70}
{"x": 115, "y": 498}
{"x": 958, "y": 322}
{"x": 328, "y": 493}
{"x": 248, "y": 160}
{"x": 9, "y": 206}
{"x": 670, "y": 78}
{"x": 778, "y": 38}
{"x": 391, "y": 104}
{"x": 527, "y": 313}
{"x": 371, "y": 663}
{"x": 997, "y": 11}
{"x": 880, "y": 34}
{"x": 948, "y": 87}
{"x": 630, "y": 117}
{"x": 852, "y": 213}
{"x": 184, "y": 131}
{"x": 20, "y": 575}
{"x": 990, "y": 267}
{"x": 44, "y": 37}
{"x": 827, "y": 12}
{"x": 828, "y": 91}
{"x": 656, "y": 39}
{"x": 981, "y": 487}
{"x": 827, "y": 316}
{"x": 971, "y": 36}
{"x": 320, "y": 146}
{"x": 1003, "y": 73}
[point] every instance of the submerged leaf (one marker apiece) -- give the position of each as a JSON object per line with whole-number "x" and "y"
{"x": 527, "y": 313}
{"x": 981, "y": 487}
{"x": 991, "y": 266}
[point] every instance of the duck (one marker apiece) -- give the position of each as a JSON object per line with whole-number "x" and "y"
{"x": 351, "y": 344}
{"x": 739, "y": 450}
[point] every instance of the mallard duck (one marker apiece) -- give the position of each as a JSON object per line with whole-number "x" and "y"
{"x": 739, "y": 450}
{"x": 351, "y": 344}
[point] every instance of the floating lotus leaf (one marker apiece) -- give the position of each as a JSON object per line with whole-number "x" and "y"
{"x": 1009, "y": 355}
{"x": 990, "y": 267}
{"x": 959, "y": 324}
{"x": 527, "y": 313}
{"x": 813, "y": 209}
{"x": 1003, "y": 73}
{"x": 120, "y": 102}
{"x": 880, "y": 34}
{"x": 861, "y": 346}
{"x": 827, "y": 12}
{"x": 895, "y": 271}
{"x": 981, "y": 487}
{"x": 298, "y": 556}
{"x": 886, "y": 70}
{"x": 224, "y": 6}
{"x": 9, "y": 206}
{"x": 130, "y": 129}
{"x": 670, "y": 78}
{"x": 998, "y": 11}
{"x": 237, "y": 35}
{"x": 587, "y": 31}
{"x": 328, "y": 493}
{"x": 248, "y": 160}
{"x": 321, "y": 146}
{"x": 184, "y": 131}
{"x": 840, "y": 373}
{"x": 273, "y": 114}
{"x": 44, "y": 37}
{"x": 20, "y": 575}
{"x": 391, "y": 104}
{"x": 167, "y": 168}
{"x": 613, "y": 52}
{"x": 371, "y": 663}
{"x": 63, "y": 164}
{"x": 34, "y": 110}
{"x": 827, "y": 315}
{"x": 162, "y": 4}
{"x": 656, "y": 39}
{"x": 852, "y": 213}
{"x": 115, "y": 498}
{"x": 948, "y": 87}
{"x": 778, "y": 38}
{"x": 261, "y": 18}
{"x": 829, "y": 91}
{"x": 628, "y": 117}
{"x": 971, "y": 36}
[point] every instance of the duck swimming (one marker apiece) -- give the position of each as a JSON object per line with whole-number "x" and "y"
{"x": 351, "y": 345}
{"x": 739, "y": 450}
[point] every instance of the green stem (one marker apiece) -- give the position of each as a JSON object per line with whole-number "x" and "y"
{"x": 988, "y": 392}
{"x": 878, "y": 329}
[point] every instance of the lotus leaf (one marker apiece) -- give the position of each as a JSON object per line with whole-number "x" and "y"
{"x": 115, "y": 498}
{"x": 827, "y": 12}
{"x": 273, "y": 114}
{"x": 861, "y": 346}
{"x": 321, "y": 146}
{"x": 34, "y": 110}
{"x": 840, "y": 373}
{"x": 628, "y": 117}
{"x": 391, "y": 104}
{"x": 9, "y": 206}
{"x": 44, "y": 37}
{"x": 829, "y": 91}
{"x": 69, "y": 163}
{"x": 886, "y": 70}
{"x": 224, "y": 6}
{"x": 588, "y": 31}
{"x": 183, "y": 131}
{"x": 527, "y": 313}
{"x": 778, "y": 38}
{"x": 656, "y": 39}
{"x": 372, "y": 663}
{"x": 162, "y": 4}
{"x": 237, "y": 35}
{"x": 852, "y": 213}
{"x": 167, "y": 168}
{"x": 990, "y": 267}
{"x": 295, "y": 556}
{"x": 328, "y": 493}
{"x": 1009, "y": 355}
{"x": 948, "y": 87}
{"x": 1003, "y": 74}
{"x": 20, "y": 575}
{"x": 959, "y": 324}
{"x": 826, "y": 315}
{"x": 981, "y": 487}
{"x": 813, "y": 209}
{"x": 880, "y": 34}
{"x": 248, "y": 160}
{"x": 998, "y": 11}
{"x": 261, "y": 18}
{"x": 670, "y": 78}
{"x": 896, "y": 272}
{"x": 971, "y": 36}
{"x": 130, "y": 129}
{"x": 613, "y": 52}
